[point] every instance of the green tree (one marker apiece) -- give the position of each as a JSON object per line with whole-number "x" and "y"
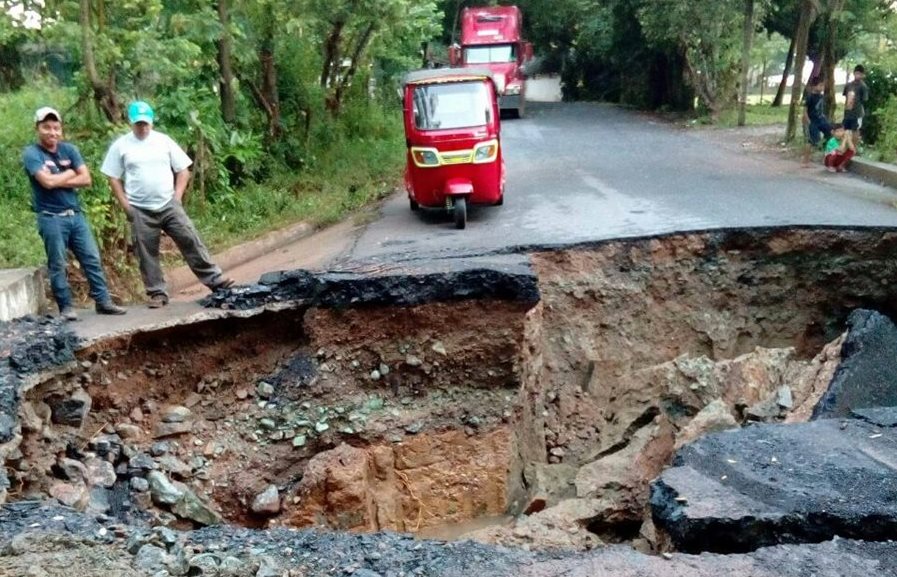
{"x": 708, "y": 34}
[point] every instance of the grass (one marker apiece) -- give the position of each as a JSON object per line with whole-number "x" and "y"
{"x": 20, "y": 245}
{"x": 344, "y": 174}
{"x": 755, "y": 115}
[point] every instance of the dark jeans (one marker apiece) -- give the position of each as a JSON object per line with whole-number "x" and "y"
{"x": 71, "y": 232}
{"x": 146, "y": 229}
{"x": 817, "y": 130}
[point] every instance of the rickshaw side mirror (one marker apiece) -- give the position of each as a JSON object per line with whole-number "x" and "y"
{"x": 454, "y": 55}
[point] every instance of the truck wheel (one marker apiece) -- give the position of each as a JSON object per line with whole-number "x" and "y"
{"x": 413, "y": 204}
{"x": 460, "y": 213}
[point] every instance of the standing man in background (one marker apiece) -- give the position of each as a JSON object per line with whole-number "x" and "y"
{"x": 148, "y": 173}
{"x": 55, "y": 169}
{"x": 856, "y": 93}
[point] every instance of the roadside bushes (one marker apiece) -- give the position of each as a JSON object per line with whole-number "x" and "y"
{"x": 881, "y": 116}
{"x": 886, "y": 126}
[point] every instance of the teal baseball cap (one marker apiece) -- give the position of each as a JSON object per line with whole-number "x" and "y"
{"x": 140, "y": 111}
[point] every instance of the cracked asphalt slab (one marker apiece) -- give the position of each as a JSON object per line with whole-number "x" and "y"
{"x": 764, "y": 485}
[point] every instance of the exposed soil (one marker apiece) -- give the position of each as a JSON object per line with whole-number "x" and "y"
{"x": 549, "y": 411}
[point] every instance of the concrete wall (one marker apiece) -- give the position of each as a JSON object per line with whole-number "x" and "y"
{"x": 21, "y": 292}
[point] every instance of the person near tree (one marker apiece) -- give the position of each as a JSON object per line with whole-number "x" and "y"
{"x": 56, "y": 170}
{"x": 839, "y": 149}
{"x": 856, "y": 93}
{"x": 816, "y": 125}
{"x": 148, "y": 173}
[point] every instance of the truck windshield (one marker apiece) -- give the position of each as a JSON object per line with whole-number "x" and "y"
{"x": 493, "y": 53}
{"x": 455, "y": 105}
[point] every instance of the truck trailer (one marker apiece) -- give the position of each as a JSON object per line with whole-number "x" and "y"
{"x": 492, "y": 37}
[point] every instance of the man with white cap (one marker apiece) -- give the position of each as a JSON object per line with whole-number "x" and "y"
{"x": 148, "y": 173}
{"x": 56, "y": 169}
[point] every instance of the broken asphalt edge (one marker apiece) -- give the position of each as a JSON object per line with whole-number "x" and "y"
{"x": 230, "y": 258}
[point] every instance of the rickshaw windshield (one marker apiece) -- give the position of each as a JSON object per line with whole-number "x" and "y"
{"x": 490, "y": 53}
{"x": 452, "y": 105}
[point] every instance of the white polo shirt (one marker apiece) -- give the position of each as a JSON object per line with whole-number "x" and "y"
{"x": 147, "y": 167}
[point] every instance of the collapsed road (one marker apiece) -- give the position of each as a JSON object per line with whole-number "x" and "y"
{"x": 688, "y": 404}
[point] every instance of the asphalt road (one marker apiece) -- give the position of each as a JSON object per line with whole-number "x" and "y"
{"x": 583, "y": 172}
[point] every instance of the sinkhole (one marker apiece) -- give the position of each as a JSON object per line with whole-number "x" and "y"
{"x": 535, "y": 418}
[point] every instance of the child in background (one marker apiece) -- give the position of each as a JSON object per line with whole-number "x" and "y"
{"x": 839, "y": 149}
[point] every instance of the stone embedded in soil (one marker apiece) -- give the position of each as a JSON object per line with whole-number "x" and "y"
{"x": 767, "y": 484}
{"x": 163, "y": 490}
{"x": 714, "y": 417}
{"x": 128, "y": 432}
{"x": 70, "y": 494}
{"x": 163, "y": 430}
{"x": 867, "y": 374}
{"x": 176, "y": 414}
{"x": 70, "y": 410}
{"x": 99, "y": 472}
{"x": 190, "y": 506}
{"x": 267, "y": 502}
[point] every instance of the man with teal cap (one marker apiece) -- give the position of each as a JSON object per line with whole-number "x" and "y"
{"x": 148, "y": 173}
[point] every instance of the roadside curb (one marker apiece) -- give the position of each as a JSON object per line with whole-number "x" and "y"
{"x": 880, "y": 172}
{"x": 182, "y": 277}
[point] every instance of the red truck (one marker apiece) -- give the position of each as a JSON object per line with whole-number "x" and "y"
{"x": 492, "y": 37}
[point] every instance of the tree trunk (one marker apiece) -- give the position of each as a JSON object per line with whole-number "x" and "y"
{"x": 331, "y": 53}
{"x": 765, "y": 69}
{"x": 336, "y": 100}
{"x": 269, "y": 89}
{"x": 829, "y": 60}
{"x": 746, "y": 58}
{"x": 789, "y": 62}
{"x": 808, "y": 12}
{"x": 225, "y": 65}
{"x": 104, "y": 95}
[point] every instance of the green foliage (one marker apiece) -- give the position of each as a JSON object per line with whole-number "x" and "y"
{"x": 709, "y": 34}
{"x": 882, "y": 83}
{"x": 20, "y": 244}
{"x": 886, "y": 122}
{"x": 354, "y": 161}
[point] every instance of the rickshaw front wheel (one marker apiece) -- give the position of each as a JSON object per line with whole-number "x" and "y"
{"x": 413, "y": 204}
{"x": 460, "y": 212}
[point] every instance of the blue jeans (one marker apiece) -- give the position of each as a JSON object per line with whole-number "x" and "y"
{"x": 71, "y": 232}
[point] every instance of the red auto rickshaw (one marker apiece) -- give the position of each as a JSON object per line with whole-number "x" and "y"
{"x": 452, "y": 129}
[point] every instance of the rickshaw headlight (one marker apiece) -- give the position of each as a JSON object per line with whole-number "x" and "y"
{"x": 486, "y": 152}
{"x": 425, "y": 157}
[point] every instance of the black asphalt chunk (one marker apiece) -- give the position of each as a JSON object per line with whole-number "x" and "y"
{"x": 501, "y": 278}
{"x": 867, "y": 374}
{"x": 769, "y": 484}
{"x": 881, "y": 416}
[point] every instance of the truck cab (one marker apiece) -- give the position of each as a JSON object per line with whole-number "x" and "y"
{"x": 492, "y": 37}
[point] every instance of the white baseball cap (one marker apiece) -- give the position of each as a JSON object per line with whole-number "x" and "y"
{"x": 43, "y": 113}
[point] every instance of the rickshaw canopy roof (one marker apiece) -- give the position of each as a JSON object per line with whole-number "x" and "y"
{"x": 443, "y": 75}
